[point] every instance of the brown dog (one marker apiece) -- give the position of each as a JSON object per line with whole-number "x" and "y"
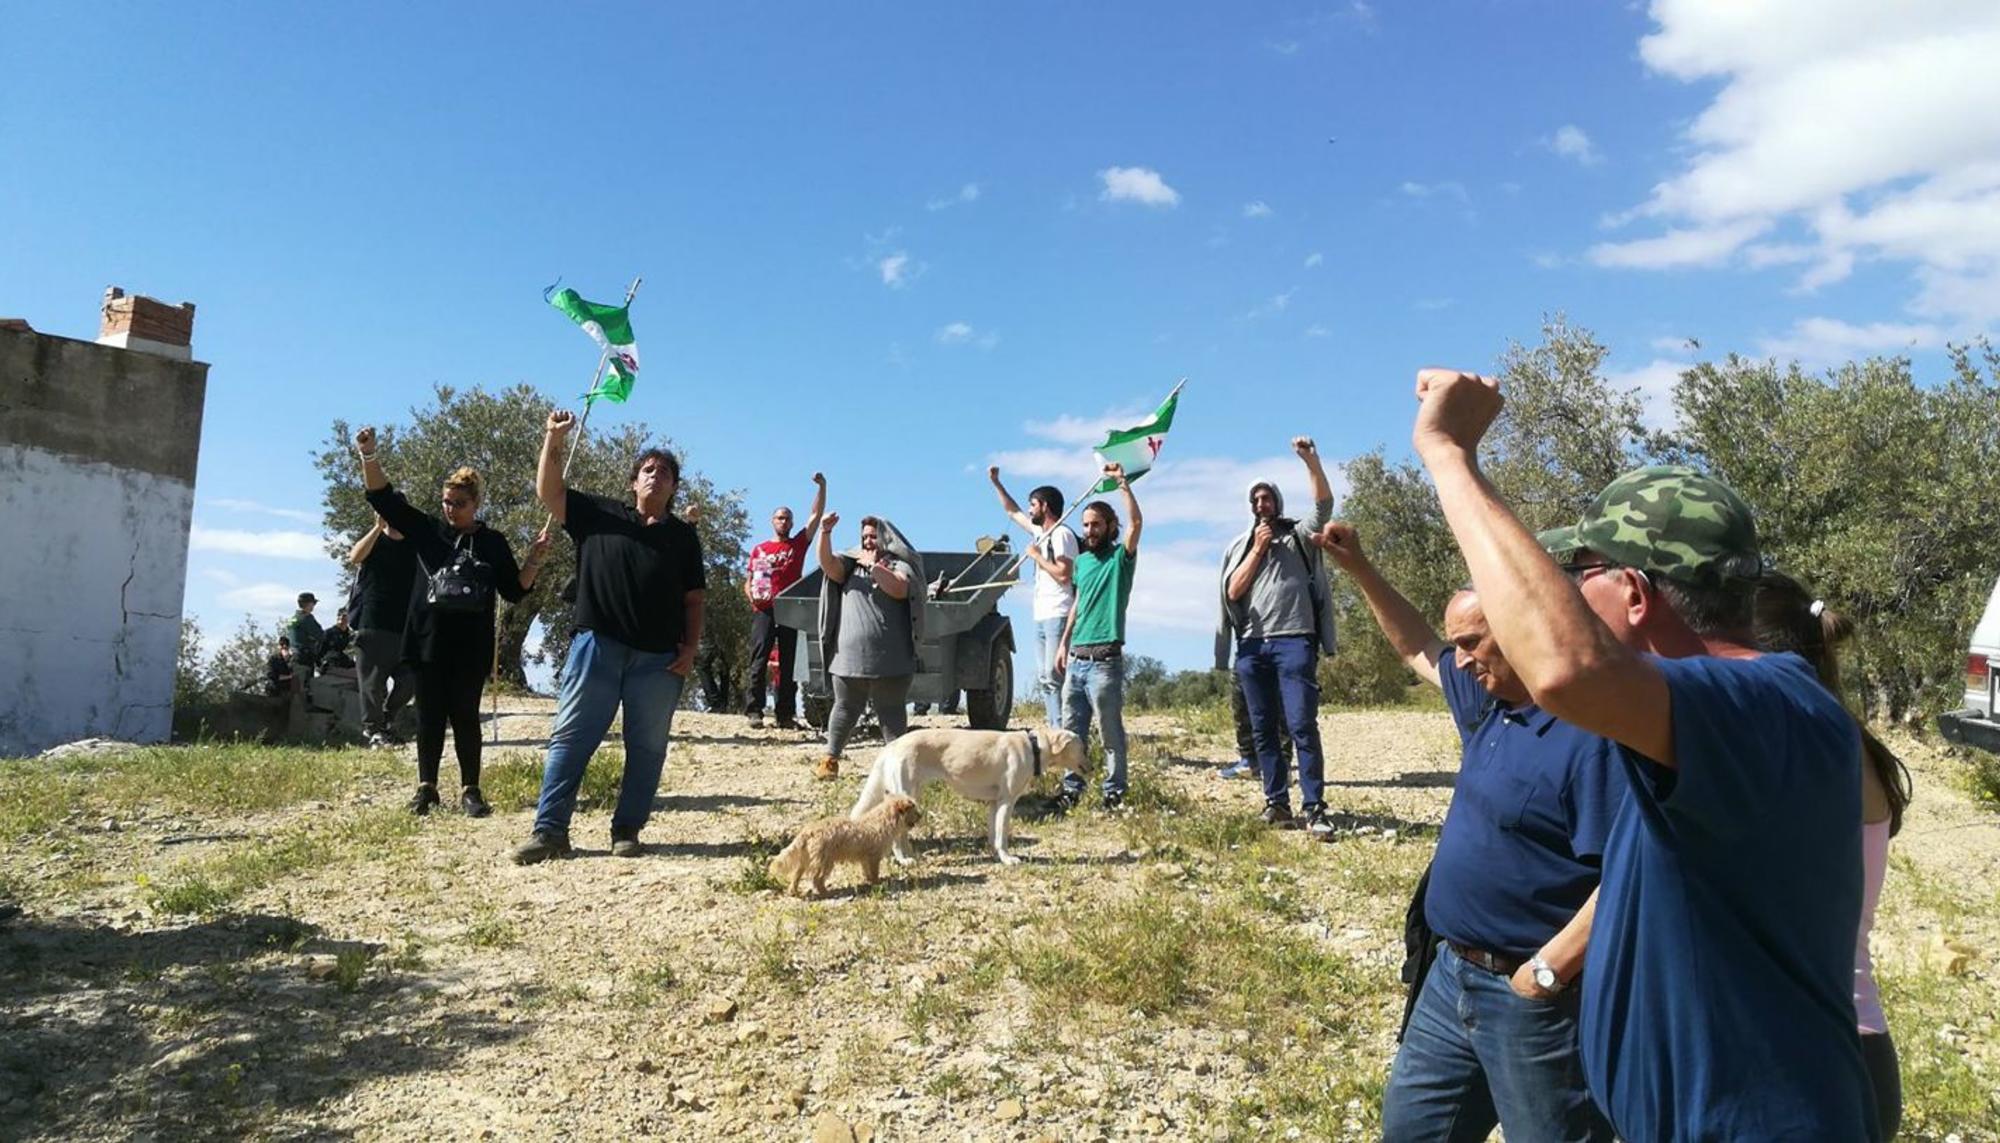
{"x": 863, "y": 840}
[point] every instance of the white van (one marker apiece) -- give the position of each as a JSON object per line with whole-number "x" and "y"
{"x": 1979, "y": 723}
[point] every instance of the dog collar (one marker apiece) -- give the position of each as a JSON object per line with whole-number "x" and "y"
{"x": 1035, "y": 747}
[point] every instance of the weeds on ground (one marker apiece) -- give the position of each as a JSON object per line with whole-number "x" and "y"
{"x": 206, "y": 778}
{"x": 1936, "y": 1019}
{"x": 512, "y": 781}
{"x": 490, "y": 930}
{"x": 208, "y": 886}
{"x": 753, "y": 869}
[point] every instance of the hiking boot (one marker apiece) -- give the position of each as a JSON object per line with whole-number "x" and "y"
{"x": 757, "y": 720}
{"x": 1241, "y": 768}
{"x": 1113, "y": 801}
{"x": 544, "y": 845}
{"x": 1318, "y": 826}
{"x": 625, "y": 843}
{"x": 425, "y": 797}
{"x": 473, "y": 803}
{"x": 828, "y": 769}
{"x": 1279, "y": 815}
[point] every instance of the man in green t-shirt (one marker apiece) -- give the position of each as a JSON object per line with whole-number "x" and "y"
{"x": 1092, "y": 655}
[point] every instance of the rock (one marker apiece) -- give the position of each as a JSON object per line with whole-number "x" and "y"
{"x": 1154, "y": 1125}
{"x": 109, "y": 825}
{"x": 645, "y": 1067}
{"x": 734, "y": 1089}
{"x": 88, "y": 748}
{"x": 828, "y": 1127}
{"x": 720, "y": 1010}
{"x": 1010, "y": 1111}
{"x": 750, "y": 1031}
{"x": 603, "y": 1055}
{"x": 322, "y": 968}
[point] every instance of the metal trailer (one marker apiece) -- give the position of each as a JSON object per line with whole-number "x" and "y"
{"x": 967, "y": 645}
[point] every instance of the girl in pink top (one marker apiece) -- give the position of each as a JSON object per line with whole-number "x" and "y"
{"x": 1790, "y": 619}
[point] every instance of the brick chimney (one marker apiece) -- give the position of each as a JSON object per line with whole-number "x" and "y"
{"x": 147, "y": 325}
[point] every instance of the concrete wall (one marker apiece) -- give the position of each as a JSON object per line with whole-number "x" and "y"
{"x": 98, "y": 448}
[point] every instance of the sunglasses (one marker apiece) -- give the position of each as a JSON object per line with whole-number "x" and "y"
{"x": 1577, "y": 571}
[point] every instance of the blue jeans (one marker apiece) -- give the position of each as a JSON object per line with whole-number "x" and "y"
{"x": 1097, "y": 685}
{"x": 1476, "y": 1053}
{"x": 1281, "y": 689}
{"x": 1048, "y": 684}
{"x": 602, "y": 673}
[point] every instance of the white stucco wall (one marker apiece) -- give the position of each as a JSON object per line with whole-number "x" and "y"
{"x": 92, "y": 568}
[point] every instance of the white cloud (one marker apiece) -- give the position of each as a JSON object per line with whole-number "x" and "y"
{"x": 1655, "y": 382}
{"x": 968, "y": 193}
{"x": 271, "y": 545}
{"x": 1674, "y": 344}
{"x": 1547, "y": 260}
{"x": 1258, "y": 209}
{"x": 1819, "y": 341}
{"x": 1318, "y": 330}
{"x": 1315, "y": 259}
{"x": 1697, "y": 246}
{"x": 1275, "y": 304}
{"x": 961, "y": 333}
{"x": 1137, "y": 184}
{"x": 1070, "y": 429}
{"x": 1571, "y": 142}
{"x": 1284, "y": 47}
{"x": 1447, "y": 189}
{"x": 251, "y": 506}
{"x": 1760, "y": 255}
{"x": 263, "y": 598}
{"x": 1870, "y": 125}
{"x": 897, "y": 270}
{"x": 1432, "y": 305}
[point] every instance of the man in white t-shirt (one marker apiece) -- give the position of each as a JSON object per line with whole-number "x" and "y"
{"x": 1053, "y": 550}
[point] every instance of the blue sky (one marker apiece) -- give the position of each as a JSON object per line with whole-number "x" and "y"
{"x": 895, "y": 243}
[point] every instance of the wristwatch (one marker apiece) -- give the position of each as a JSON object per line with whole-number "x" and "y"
{"x": 1545, "y": 977}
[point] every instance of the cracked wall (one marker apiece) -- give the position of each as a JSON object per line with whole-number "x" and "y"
{"x": 98, "y": 448}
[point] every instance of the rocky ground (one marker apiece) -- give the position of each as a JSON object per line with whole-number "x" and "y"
{"x": 235, "y": 941}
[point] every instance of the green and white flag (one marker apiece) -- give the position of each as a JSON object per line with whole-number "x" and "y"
{"x": 611, "y": 328}
{"x": 1138, "y": 447}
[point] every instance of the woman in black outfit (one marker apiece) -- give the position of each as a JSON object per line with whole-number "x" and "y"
{"x": 451, "y": 647}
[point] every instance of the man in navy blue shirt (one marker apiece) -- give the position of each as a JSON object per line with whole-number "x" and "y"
{"x": 1492, "y": 1037}
{"x": 1717, "y": 997}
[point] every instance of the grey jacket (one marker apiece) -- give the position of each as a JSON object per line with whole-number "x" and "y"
{"x": 1234, "y": 613}
{"x": 891, "y": 540}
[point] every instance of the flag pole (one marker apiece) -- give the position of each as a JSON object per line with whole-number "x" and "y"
{"x": 603, "y": 359}
{"x": 1076, "y": 501}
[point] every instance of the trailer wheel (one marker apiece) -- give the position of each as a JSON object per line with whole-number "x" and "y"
{"x": 990, "y": 709}
{"x": 817, "y": 710}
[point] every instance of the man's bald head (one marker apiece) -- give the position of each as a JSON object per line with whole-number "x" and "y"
{"x": 1471, "y": 638}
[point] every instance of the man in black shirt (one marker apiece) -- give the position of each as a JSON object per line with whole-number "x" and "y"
{"x": 640, "y": 587}
{"x": 385, "y": 574}
{"x": 279, "y": 678}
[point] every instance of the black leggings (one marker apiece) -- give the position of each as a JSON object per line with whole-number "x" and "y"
{"x": 1878, "y": 1051}
{"x": 448, "y": 692}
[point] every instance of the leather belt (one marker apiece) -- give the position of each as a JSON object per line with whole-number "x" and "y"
{"x": 1097, "y": 652}
{"x": 1498, "y": 964}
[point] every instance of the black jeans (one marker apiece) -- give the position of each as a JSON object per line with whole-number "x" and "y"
{"x": 765, "y": 631}
{"x": 1246, "y": 740}
{"x": 1878, "y": 1052}
{"x": 448, "y": 692}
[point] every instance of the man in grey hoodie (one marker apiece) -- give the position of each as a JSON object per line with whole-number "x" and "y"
{"x": 1277, "y": 610}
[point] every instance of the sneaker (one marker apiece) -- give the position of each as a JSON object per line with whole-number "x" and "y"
{"x": 544, "y": 845}
{"x": 425, "y": 797}
{"x": 1279, "y": 815}
{"x": 1241, "y": 768}
{"x": 757, "y": 720}
{"x": 473, "y": 803}
{"x": 625, "y": 843}
{"x": 1113, "y": 801}
{"x": 828, "y": 769}
{"x": 1318, "y": 826}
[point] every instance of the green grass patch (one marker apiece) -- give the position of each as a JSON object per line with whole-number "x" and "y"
{"x": 208, "y": 778}
{"x": 210, "y": 885}
{"x": 490, "y": 930}
{"x": 513, "y": 780}
{"x": 1937, "y": 1019}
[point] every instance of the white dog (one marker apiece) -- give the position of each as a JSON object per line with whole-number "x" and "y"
{"x": 991, "y": 766}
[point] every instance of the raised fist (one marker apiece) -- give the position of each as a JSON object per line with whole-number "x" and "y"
{"x": 819, "y": 478}
{"x": 1343, "y": 543}
{"x": 1304, "y": 446}
{"x": 364, "y": 441}
{"x": 1454, "y": 409}
{"x": 829, "y": 523}
{"x": 560, "y": 422}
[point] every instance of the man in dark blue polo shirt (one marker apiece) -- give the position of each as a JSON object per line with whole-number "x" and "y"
{"x": 1718, "y": 1000}
{"x": 1492, "y": 1037}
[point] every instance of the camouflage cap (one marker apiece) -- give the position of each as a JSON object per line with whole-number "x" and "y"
{"x": 1560, "y": 543}
{"x": 1670, "y": 520}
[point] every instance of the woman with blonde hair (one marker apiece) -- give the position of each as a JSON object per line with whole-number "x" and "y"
{"x": 462, "y": 566}
{"x": 1790, "y": 618}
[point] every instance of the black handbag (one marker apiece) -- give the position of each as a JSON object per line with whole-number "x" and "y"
{"x": 463, "y": 585}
